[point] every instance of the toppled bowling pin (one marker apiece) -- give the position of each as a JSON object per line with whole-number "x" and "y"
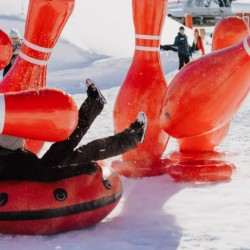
{"x": 196, "y": 158}
{"x": 46, "y": 114}
{"x": 227, "y": 32}
{"x": 206, "y": 93}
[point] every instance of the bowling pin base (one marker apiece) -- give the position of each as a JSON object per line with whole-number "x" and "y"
{"x": 141, "y": 168}
{"x": 187, "y": 156}
{"x": 201, "y": 170}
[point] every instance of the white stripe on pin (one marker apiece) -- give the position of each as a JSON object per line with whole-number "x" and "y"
{"x": 2, "y": 112}
{"x": 36, "y": 47}
{"x": 148, "y": 37}
{"x": 33, "y": 60}
{"x": 246, "y": 46}
{"x": 147, "y": 48}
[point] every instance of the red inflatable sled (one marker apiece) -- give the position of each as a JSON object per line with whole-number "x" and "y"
{"x": 43, "y": 208}
{"x": 36, "y": 208}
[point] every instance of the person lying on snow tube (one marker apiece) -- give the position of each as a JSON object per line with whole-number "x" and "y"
{"x": 62, "y": 160}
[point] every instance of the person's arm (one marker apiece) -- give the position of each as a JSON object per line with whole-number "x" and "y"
{"x": 169, "y": 47}
{"x": 176, "y": 41}
{"x": 17, "y": 47}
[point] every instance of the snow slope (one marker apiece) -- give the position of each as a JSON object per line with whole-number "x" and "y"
{"x": 97, "y": 33}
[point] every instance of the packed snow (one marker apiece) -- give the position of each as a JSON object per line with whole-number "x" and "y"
{"x": 154, "y": 213}
{"x": 241, "y": 6}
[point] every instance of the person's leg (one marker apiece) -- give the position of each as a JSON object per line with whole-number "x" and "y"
{"x": 186, "y": 59}
{"x": 80, "y": 161}
{"x": 89, "y": 110}
{"x": 103, "y": 148}
{"x": 181, "y": 61}
{"x": 111, "y": 146}
{"x": 62, "y": 172}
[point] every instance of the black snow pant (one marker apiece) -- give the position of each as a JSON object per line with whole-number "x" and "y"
{"x": 183, "y": 59}
{"x": 62, "y": 160}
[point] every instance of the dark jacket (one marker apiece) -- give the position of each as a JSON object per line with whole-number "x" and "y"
{"x": 13, "y": 58}
{"x": 7, "y": 68}
{"x": 181, "y": 42}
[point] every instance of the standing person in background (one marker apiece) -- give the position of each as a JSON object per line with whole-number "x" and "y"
{"x": 16, "y": 45}
{"x": 181, "y": 42}
{"x": 198, "y": 44}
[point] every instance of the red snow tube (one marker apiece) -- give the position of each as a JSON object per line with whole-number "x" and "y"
{"x": 37, "y": 208}
{"x": 201, "y": 170}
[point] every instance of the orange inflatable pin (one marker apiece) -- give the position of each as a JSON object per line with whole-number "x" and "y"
{"x": 195, "y": 151}
{"x": 144, "y": 89}
{"x": 200, "y": 98}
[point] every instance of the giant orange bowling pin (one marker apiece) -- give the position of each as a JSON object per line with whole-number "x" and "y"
{"x": 144, "y": 89}
{"x": 5, "y": 49}
{"x": 44, "y": 24}
{"x": 227, "y": 32}
{"x": 46, "y": 114}
{"x": 207, "y": 92}
{"x": 192, "y": 149}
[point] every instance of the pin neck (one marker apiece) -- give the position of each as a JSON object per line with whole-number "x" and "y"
{"x": 147, "y": 42}
{"x": 38, "y": 49}
{"x": 143, "y": 48}
{"x": 147, "y": 37}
